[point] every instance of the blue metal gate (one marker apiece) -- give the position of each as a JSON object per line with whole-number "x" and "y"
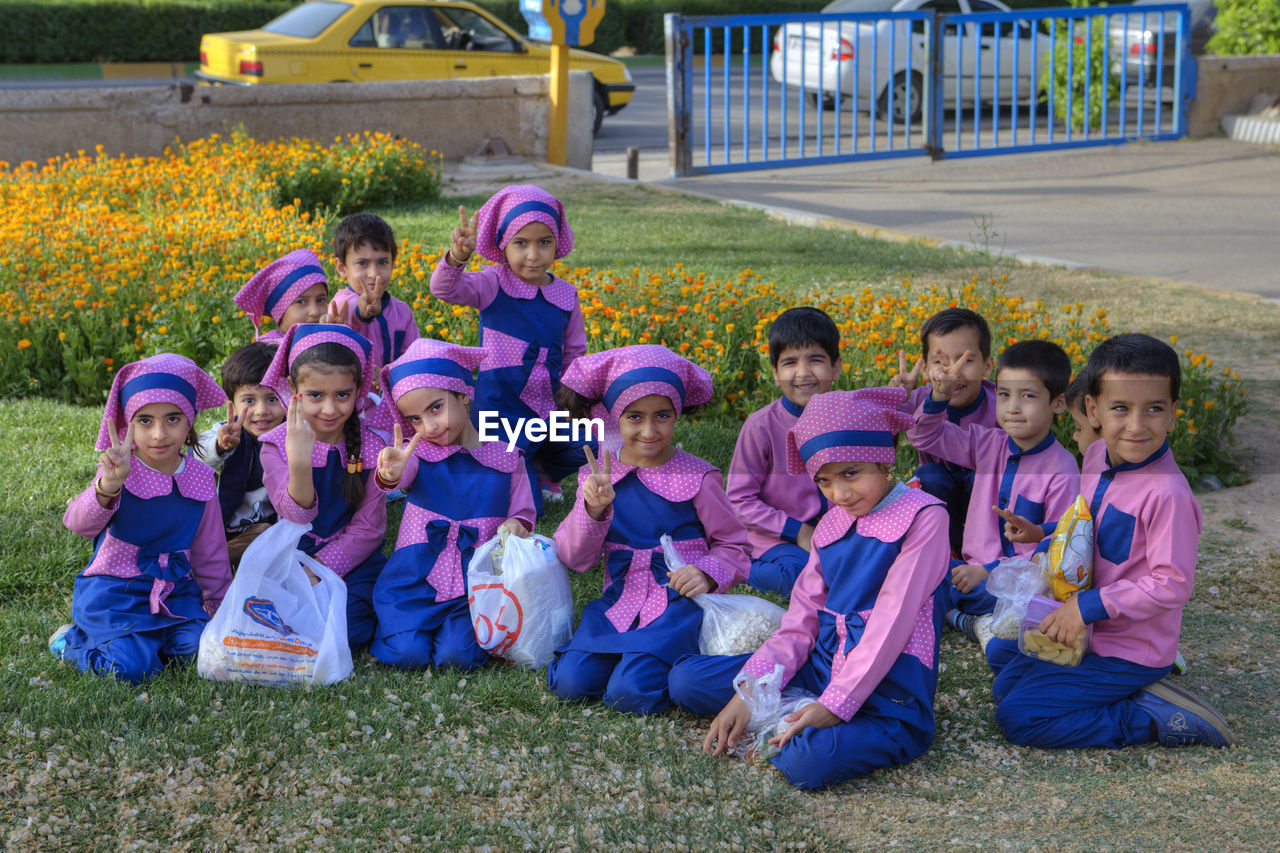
{"x": 762, "y": 91}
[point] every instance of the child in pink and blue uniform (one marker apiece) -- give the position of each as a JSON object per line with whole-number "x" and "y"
{"x": 317, "y": 463}
{"x": 781, "y": 509}
{"x": 862, "y": 629}
{"x": 159, "y": 568}
{"x": 364, "y": 254}
{"x": 945, "y": 338}
{"x": 460, "y": 493}
{"x": 1019, "y": 468}
{"x": 645, "y": 619}
{"x": 530, "y": 320}
{"x": 292, "y": 289}
{"x": 1147, "y": 534}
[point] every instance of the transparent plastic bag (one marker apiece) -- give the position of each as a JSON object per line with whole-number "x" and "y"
{"x": 519, "y": 597}
{"x": 732, "y": 624}
{"x": 1015, "y": 582}
{"x": 274, "y": 627}
{"x": 769, "y": 708}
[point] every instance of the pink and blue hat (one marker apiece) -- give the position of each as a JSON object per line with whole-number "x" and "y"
{"x": 846, "y": 426}
{"x": 277, "y": 285}
{"x": 164, "y": 378}
{"x": 619, "y": 377}
{"x": 303, "y": 336}
{"x": 427, "y": 363}
{"x": 511, "y": 209}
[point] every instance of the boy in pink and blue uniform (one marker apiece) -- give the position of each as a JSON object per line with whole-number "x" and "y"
{"x": 460, "y": 493}
{"x": 292, "y": 289}
{"x": 862, "y": 630}
{"x": 945, "y": 338}
{"x": 781, "y": 509}
{"x": 644, "y": 619}
{"x": 1019, "y": 468}
{"x": 364, "y": 254}
{"x": 530, "y": 320}
{"x": 159, "y": 568}
{"x": 1147, "y": 534}
{"x": 317, "y": 464}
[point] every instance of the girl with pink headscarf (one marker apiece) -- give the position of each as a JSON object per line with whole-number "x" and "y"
{"x": 531, "y": 323}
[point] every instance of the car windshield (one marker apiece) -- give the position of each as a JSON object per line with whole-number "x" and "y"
{"x": 852, "y": 6}
{"x": 308, "y": 20}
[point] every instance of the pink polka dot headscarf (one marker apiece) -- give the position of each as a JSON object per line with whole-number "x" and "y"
{"x": 275, "y": 287}
{"x": 846, "y": 426}
{"x": 619, "y": 377}
{"x": 511, "y": 209}
{"x": 427, "y": 363}
{"x": 164, "y": 378}
{"x": 302, "y": 337}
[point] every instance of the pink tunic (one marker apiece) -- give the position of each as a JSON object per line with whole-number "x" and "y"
{"x": 771, "y": 503}
{"x": 981, "y": 411}
{"x": 1039, "y": 484}
{"x": 1147, "y": 537}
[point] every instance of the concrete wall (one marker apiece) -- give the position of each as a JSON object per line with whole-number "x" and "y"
{"x": 1227, "y": 85}
{"x": 449, "y": 116}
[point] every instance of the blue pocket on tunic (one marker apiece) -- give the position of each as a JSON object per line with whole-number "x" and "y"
{"x": 1115, "y": 535}
{"x": 1030, "y": 510}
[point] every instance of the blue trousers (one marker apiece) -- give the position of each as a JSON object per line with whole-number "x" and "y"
{"x": 635, "y": 683}
{"x": 452, "y": 644}
{"x": 360, "y": 616}
{"x": 977, "y": 600}
{"x": 952, "y": 485}
{"x": 1063, "y": 707}
{"x": 777, "y": 570}
{"x": 815, "y": 758}
{"x": 136, "y": 657}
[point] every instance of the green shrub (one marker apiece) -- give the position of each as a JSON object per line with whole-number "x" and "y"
{"x": 1247, "y": 27}
{"x": 1079, "y": 78}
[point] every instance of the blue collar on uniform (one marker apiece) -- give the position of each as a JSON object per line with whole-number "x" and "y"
{"x": 1130, "y": 466}
{"x": 1045, "y": 444}
{"x": 794, "y": 408}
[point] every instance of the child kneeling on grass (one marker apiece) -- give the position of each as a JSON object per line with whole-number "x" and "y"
{"x": 862, "y": 629}
{"x": 1147, "y": 533}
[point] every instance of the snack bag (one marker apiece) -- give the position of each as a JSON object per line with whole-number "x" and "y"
{"x": 1071, "y": 551}
{"x": 1033, "y": 643}
{"x": 519, "y": 597}
{"x": 1014, "y": 582}
{"x": 274, "y": 626}
{"x": 769, "y": 708}
{"x": 731, "y": 624}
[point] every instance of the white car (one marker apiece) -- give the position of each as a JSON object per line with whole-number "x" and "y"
{"x": 816, "y": 55}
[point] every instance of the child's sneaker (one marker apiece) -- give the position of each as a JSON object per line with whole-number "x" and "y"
{"x": 58, "y": 640}
{"x": 1181, "y": 718}
{"x": 964, "y": 623}
{"x": 1179, "y": 664}
{"x": 552, "y": 495}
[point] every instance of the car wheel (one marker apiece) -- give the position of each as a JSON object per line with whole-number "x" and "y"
{"x": 908, "y": 98}
{"x": 597, "y": 111}
{"x": 828, "y": 100}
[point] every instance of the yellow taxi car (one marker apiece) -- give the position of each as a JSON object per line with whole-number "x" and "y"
{"x": 359, "y": 40}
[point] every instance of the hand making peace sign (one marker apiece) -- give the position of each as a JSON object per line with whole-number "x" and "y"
{"x": 393, "y": 458}
{"x": 1018, "y": 529}
{"x": 114, "y": 461}
{"x": 597, "y": 491}
{"x": 944, "y": 377}
{"x": 229, "y": 434}
{"x": 464, "y": 237}
{"x": 905, "y": 379}
{"x": 299, "y": 437}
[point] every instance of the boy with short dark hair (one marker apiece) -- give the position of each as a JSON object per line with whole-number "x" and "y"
{"x": 232, "y": 448}
{"x": 1085, "y": 433}
{"x": 944, "y": 339}
{"x": 1146, "y": 544}
{"x": 1019, "y": 469}
{"x": 364, "y": 254}
{"x": 779, "y": 509}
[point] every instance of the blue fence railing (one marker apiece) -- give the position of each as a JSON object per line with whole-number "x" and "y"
{"x": 760, "y": 91}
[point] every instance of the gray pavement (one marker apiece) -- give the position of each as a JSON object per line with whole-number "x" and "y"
{"x": 1202, "y": 211}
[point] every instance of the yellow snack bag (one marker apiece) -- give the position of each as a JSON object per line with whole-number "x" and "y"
{"x": 1071, "y": 551}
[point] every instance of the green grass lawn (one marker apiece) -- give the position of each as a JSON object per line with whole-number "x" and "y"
{"x": 391, "y": 760}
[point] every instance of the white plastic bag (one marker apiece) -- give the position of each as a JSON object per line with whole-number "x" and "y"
{"x": 731, "y": 624}
{"x": 519, "y": 597}
{"x": 274, "y": 627}
{"x": 769, "y": 708}
{"x": 1014, "y": 583}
